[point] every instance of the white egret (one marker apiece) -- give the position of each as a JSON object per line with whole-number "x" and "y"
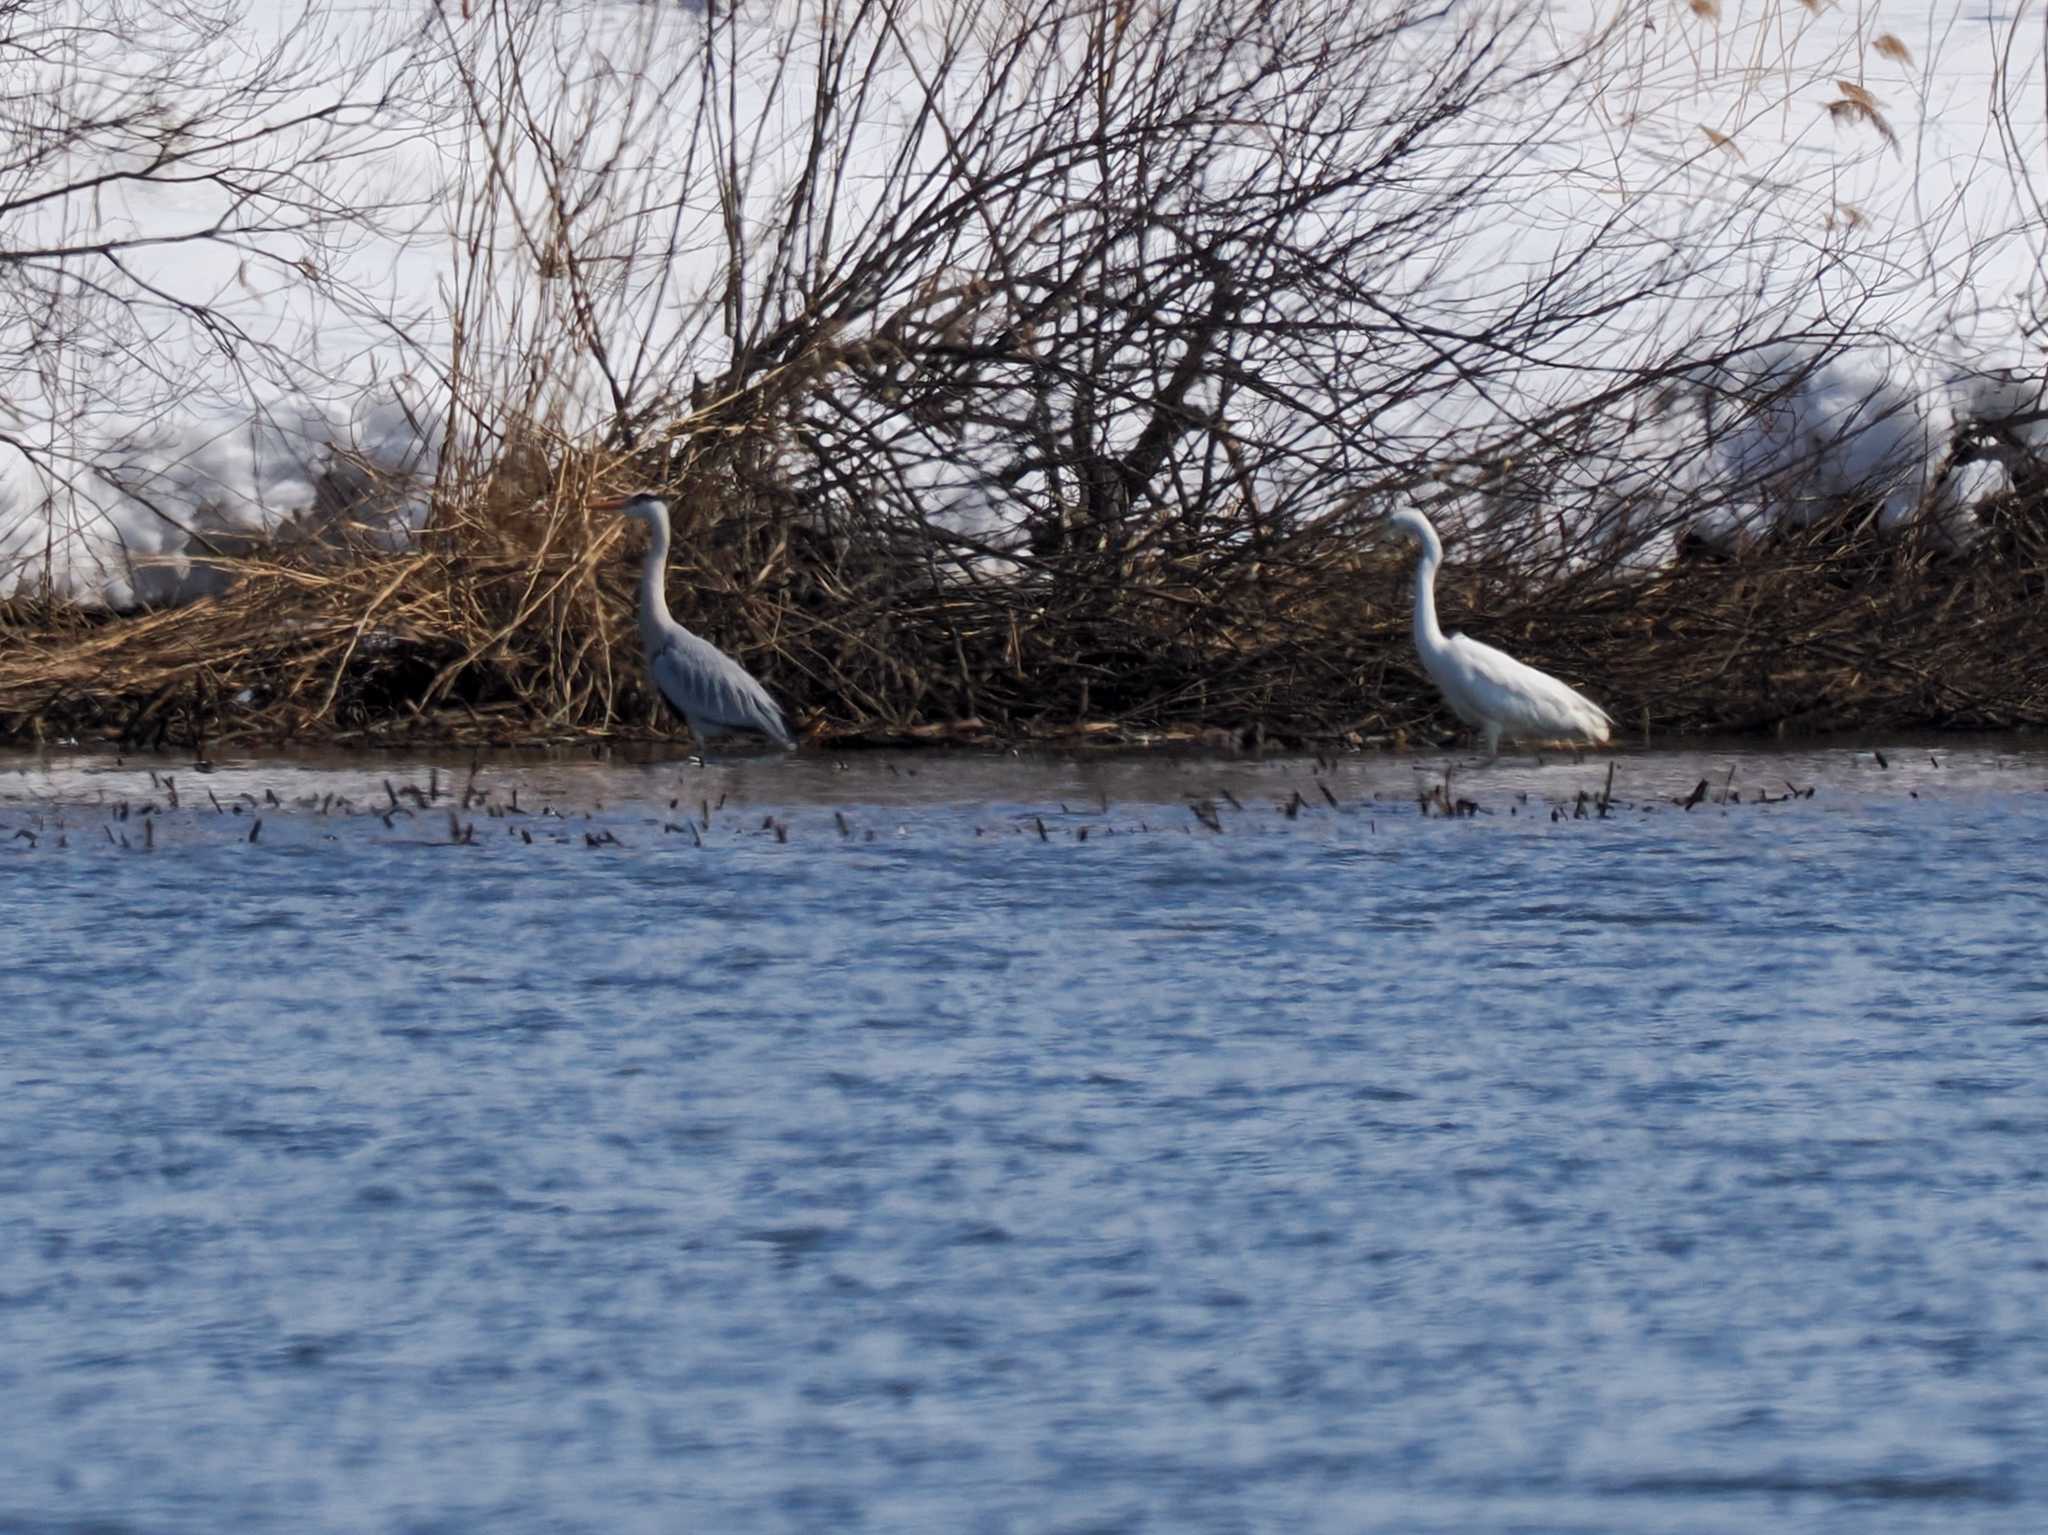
{"x": 714, "y": 693}
{"x": 1488, "y": 688}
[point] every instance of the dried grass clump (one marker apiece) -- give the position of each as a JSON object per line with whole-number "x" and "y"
{"x": 1723, "y": 142}
{"x": 1857, "y": 105}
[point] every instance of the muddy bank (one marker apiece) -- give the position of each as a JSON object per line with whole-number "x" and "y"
{"x": 808, "y": 794}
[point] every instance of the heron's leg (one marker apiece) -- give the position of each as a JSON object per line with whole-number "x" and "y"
{"x": 700, "y": 736}
{"x": 1492, "y": 740}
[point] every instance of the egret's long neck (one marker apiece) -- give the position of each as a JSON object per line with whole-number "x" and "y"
{"x": 1428, "y": 636}
{"x": 654, "y": 617}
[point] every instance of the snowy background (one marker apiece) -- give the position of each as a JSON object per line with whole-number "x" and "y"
{"x": 1858, "y": 174}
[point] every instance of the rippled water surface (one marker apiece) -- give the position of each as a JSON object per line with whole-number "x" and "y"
{"x": 946, "y": 1144}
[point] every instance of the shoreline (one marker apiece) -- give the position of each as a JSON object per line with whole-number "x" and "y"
{"x": 1095, "y": 739}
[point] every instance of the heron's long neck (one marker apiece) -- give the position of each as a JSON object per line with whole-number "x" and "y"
{"x": 1428, "y": 636}
{"x": 654, "y": 618}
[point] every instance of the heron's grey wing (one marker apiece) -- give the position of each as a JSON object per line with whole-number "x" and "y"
{"x": 707, "y": 684}
{"x": 1525, "y": 701}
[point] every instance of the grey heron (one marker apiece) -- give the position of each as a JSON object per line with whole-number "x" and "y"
{"x": 714, "y": 693}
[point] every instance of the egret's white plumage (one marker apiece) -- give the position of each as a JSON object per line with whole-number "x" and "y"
{"x": 1489, "y": 688}
{"x": 712, "y": 691}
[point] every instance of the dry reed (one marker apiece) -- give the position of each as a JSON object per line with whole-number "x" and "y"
{"x": 510, "y": 622}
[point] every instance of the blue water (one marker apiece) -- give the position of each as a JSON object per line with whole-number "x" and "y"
{"x": 1354, "y": 1171}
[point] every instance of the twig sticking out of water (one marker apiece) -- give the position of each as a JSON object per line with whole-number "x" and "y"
{"x": 256, "y": 828}
{"x": 1880, "y": 759}
{"x": 1438, "y": 796}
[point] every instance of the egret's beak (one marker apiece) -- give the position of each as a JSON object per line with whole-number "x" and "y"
{"x": 609, "y": 504}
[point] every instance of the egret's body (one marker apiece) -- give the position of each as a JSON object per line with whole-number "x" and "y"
{"x": 1487, "y": 688}
{"x": 714, "y": 693}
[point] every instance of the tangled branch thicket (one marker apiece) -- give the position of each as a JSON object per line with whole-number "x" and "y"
{"x": 1057, "y": 389}
{"x": 503, "y": 627}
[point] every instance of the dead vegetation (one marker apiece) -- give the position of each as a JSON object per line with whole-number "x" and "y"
{"x": 511, "y": 622}
{"x": 1081, "y": 430}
